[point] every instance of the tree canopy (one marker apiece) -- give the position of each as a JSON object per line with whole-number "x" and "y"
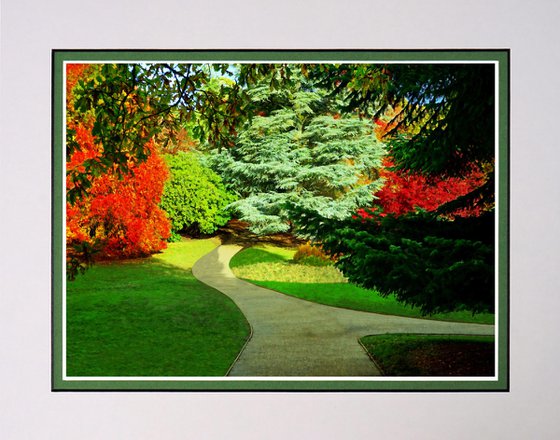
{"x": 388, "y": 166}
{"x": 438, "y": 127}
{"x": 129, "y": 104}
{"x": 119, "y": 216}
{"x": 442, "y": 114}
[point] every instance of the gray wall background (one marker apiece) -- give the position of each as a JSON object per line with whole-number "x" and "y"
{"x": 30, "y": 29}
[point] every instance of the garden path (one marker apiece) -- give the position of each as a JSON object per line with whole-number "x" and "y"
{"x": 294, "y": 337}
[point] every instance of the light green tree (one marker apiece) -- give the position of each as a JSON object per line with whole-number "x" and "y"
{"x": 194, "y": 197}
{"x": 299, "y": 157}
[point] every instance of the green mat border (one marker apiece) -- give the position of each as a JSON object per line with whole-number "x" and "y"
{"x": 501, "y": 56}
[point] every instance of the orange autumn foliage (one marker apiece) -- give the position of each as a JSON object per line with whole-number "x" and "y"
{"x": 73, "y": 74}
{"x": 119, "y": 216}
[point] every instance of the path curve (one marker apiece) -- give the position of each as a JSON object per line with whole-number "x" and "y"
{"x": 294, "y": 337}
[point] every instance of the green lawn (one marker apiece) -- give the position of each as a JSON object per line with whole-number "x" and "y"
{"x": 152, "y": 318}
{"x": 271, "y": 267}
{"x": 432, "y": 355}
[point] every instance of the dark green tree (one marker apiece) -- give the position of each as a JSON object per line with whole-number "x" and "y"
{"x": 441, "y": 124}
{"x": 434, "y": 264}
{"x": 442, "y": 117}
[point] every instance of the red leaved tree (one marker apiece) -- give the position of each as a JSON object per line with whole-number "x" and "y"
{"x": 119, "y": 216}
{"x": 405, "y": 191}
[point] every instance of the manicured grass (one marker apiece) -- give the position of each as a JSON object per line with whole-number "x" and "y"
{"x": 432, "y": 355}
{"x": 151, "y": 318}
{"x": 271, "y": 263}
{"x": 270, "y": 266}
{"x": 289, "y": 273}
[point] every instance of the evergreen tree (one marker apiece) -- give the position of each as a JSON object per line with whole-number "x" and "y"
{"x": 437, "y": 265}
{"x": 298, "y": 157}
{"x": 441, "y": 127}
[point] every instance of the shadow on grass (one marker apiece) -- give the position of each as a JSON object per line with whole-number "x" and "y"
{"x": 257, "y": 255}
{"x": 317, "y": 284}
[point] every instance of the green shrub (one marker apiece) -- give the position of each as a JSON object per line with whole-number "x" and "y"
{"x": 194, "y": 197}
{"x": 174, "y": 237}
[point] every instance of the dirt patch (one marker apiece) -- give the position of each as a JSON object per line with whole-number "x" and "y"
{"x": 237, "y": 232}
{"x": 432, "y": 355}
{"x": 453, "y": 359}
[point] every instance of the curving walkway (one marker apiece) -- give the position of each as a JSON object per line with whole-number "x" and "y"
{"x": 294, "y": 337}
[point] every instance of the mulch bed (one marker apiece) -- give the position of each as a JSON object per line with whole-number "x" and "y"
{"x": 237, "y": 232}
{"x": 453, "y": 359}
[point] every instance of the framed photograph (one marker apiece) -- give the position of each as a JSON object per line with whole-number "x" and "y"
{"x": 303, "y": 220}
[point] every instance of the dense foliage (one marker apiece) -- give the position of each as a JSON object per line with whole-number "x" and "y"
{"x": 130, "y": 104}
{"x": 194, "y": 197}
{"x": 438, "y": 124}
{"x": 405, "y": 192}
{"x": 442, "y": 115}
{"x": 119, "y": 216}
{"x": 296, "y": 157}
{"x": 390, "y": 167}
{"x": 438, "y": 266}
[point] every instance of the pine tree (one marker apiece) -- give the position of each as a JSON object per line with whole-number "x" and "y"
{"x": 299, "y": 157}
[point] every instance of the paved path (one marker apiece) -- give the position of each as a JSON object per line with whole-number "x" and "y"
{"x": 294, "y": 337}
